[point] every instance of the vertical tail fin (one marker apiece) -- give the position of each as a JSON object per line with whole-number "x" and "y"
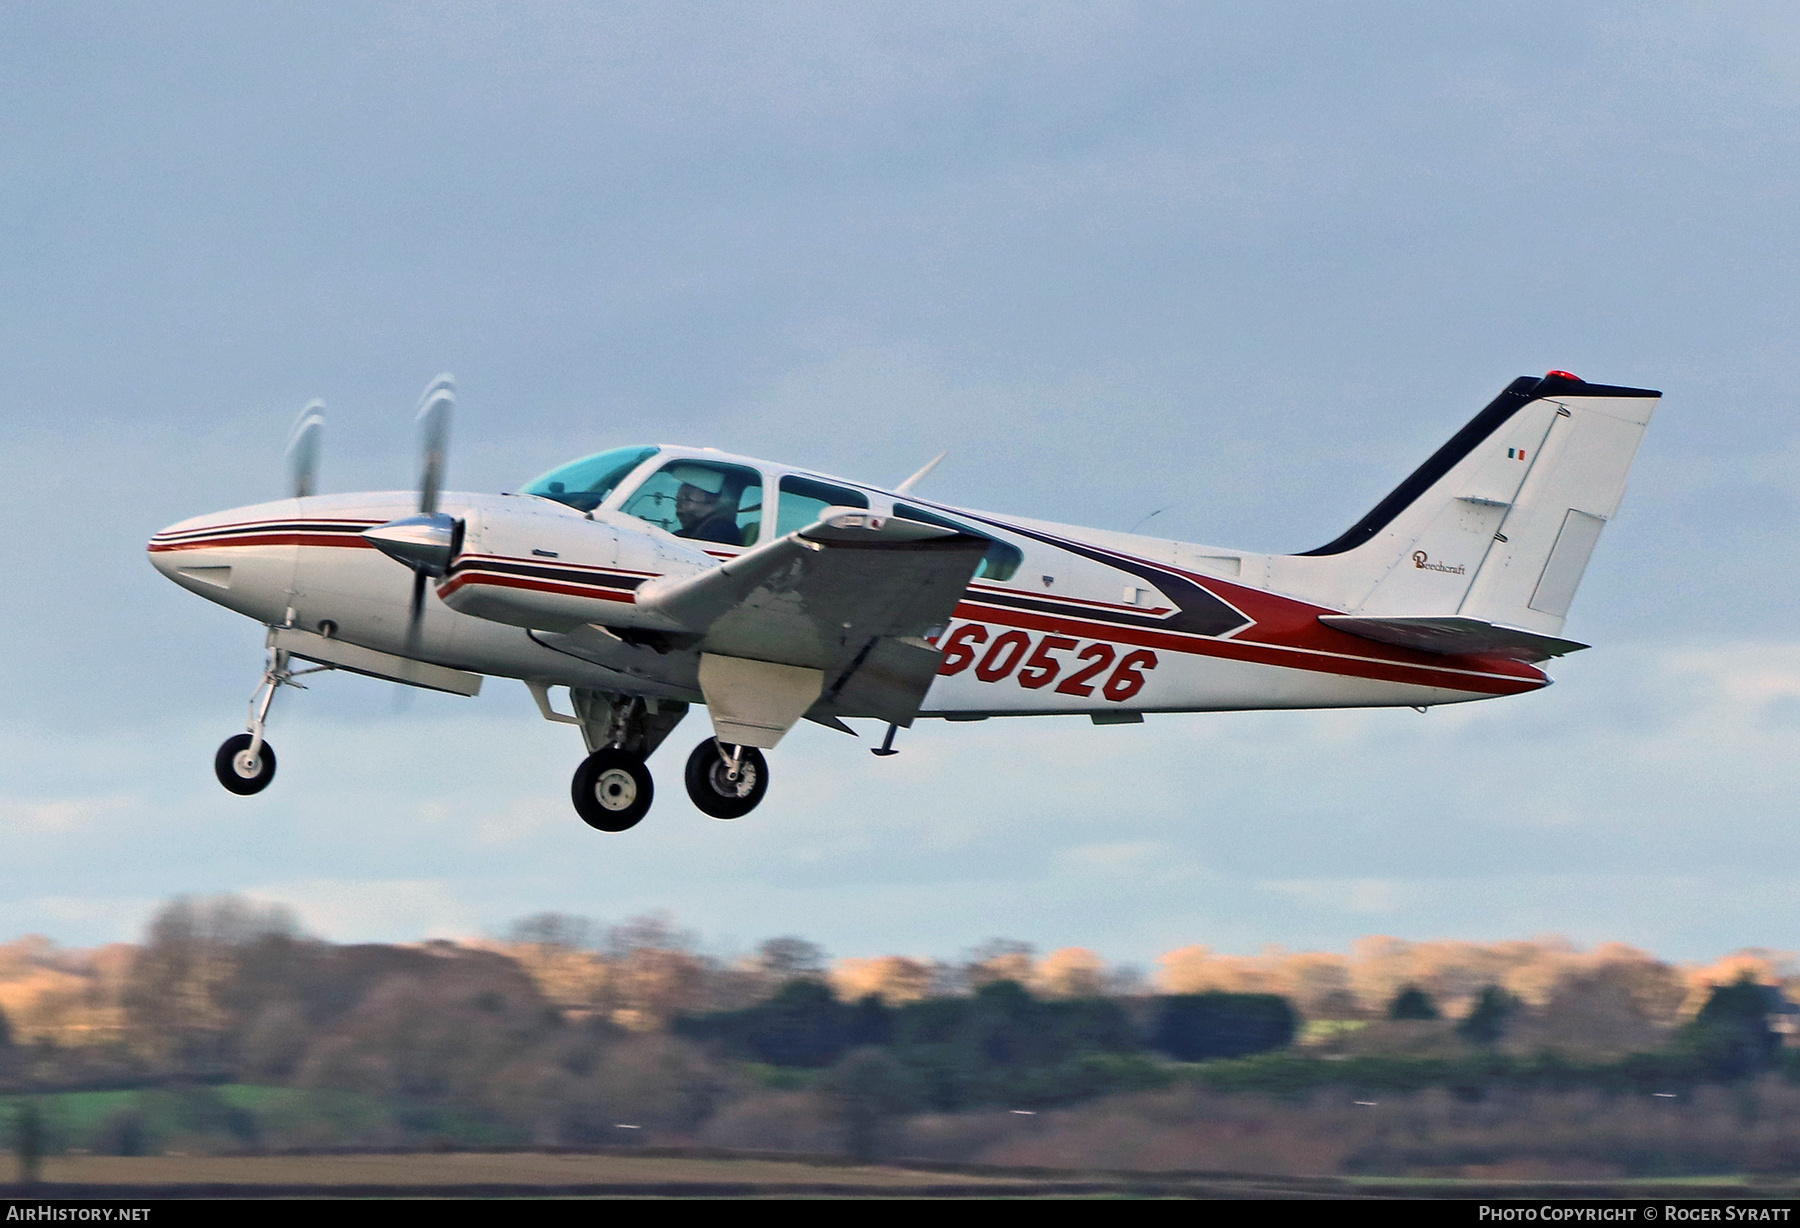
{"x": 1499, "y": 523}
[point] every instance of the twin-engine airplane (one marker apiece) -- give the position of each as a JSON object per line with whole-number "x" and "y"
{"x": 647, "y": 579}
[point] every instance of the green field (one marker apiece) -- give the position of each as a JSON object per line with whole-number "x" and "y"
{"x": 569, "y": 1174}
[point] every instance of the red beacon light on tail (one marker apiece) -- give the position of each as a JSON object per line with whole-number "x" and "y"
{"x": 1564, "y": 375}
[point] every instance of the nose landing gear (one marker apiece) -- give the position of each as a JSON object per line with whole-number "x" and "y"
{"x": 726, "y": 783}
{"x": 245, "y": 762}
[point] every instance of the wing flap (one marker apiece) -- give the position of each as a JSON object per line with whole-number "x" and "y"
{"x": 888, "y": 681}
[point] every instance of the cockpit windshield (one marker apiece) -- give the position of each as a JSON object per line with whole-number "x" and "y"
{"x": 585, "y": 483}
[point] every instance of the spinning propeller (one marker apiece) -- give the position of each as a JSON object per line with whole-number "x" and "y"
{"x": 303, "y": 450}
{"x": 428, "y": 541}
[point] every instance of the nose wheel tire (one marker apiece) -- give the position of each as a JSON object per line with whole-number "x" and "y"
{"x": 711, "y": 787}
{"x": 241, "y": 772}
{"x": 611, "y": 790}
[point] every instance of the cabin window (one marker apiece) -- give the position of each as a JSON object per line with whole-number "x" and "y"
{"x": 1002, "y": 560}
{"x": 703, "y": 501}
{"x": 585, "y": 484}
{"x": 802, "y": 499}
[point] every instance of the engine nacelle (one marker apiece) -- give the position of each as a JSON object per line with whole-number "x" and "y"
{"x": 545, "y": 567}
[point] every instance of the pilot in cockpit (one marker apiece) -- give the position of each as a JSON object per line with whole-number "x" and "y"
{"x": 705, "y": 512}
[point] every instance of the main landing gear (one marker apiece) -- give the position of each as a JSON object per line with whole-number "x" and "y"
{"x": 726, "y": 781}
{"x": 612, "y": 789}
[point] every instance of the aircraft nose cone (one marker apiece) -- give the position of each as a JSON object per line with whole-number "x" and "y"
{"x": 426, "y": 543}
{"x": 182, "y": 545}
{"x": 242, "y": 558}
{"x": 197, "y": 552}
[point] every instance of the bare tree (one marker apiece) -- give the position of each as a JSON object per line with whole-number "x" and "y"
{"x": 178, "y": 995}
{"x": 997, "y": 959}
{"x": 787, "y": 958}
{"x": 553, "y": 929}
{"x": 655, "y": 972}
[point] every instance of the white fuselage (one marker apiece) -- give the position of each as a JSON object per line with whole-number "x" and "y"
{"x": 1087, "y": 621}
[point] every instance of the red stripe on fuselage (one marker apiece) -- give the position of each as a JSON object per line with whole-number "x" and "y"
{"x": 1287, "y": 631}
{"x": 358, "y": 524}
{"x": 539, "y": 586}
{"x": 1313, "y": 660}
{"x": 1284, "y": 632}
{"x": 476, "y": 560}
{"x": 334, "y": 540}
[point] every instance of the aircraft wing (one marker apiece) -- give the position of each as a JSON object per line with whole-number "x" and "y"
{"x": 851, "y": 596}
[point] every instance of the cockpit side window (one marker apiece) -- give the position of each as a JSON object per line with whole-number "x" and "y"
{"x": 1002, "y": 560}
{"x": 802, "y": 499}
{"x": 585, "y": 484}
{"x": 702, "y": 500}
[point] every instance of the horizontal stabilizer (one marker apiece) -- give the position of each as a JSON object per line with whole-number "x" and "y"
{"x": 1452, "y": 634}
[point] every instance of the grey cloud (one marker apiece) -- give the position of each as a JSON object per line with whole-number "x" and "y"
{"x": 1250, "y": 263}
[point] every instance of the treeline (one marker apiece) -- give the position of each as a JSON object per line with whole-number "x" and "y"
{"x": 642, "y": 973}
{"x": 239, "y": 1030}
{"x": 998, "y": 1045}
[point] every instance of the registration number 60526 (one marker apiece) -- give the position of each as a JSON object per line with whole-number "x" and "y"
{"x": 1076, "y": 668}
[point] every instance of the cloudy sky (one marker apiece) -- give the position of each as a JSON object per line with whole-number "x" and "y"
{"x": 1251, "y": 262}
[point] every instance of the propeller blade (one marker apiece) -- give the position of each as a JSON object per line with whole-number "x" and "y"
{"x": 434, "y": 439}
{"x": 415, "y": 622}
{"x": 429, "y": 541}
{"x": 415, "y": 627}
{"x": 303, "y": 447}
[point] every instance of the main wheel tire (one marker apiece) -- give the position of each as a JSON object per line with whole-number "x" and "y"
{"x": 712, "y": 789}
{"x": 240, "y": 773}
{"x": 612, "y": 790}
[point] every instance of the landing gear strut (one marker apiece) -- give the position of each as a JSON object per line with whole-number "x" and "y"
{"x": 245, "y": 763}
{"x": 612, "y": 789}
{"x": 726, "y": 781}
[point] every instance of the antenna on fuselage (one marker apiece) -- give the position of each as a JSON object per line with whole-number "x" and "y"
{"x": 1142, "y": 521}
{"x": 918, "y": 477}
